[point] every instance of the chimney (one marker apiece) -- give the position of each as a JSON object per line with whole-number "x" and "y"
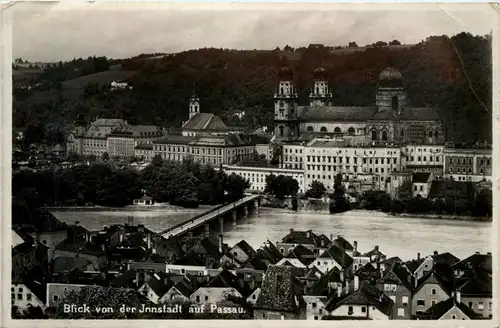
{"x": 331, "y": 237}
{"x": 252, "y": 283}
{"x": 140, "y": 228}
{"x": 355, "y": 244}
{"x": 89, "y": 236}
{"x": 435, "y": 252}
{"x": 347, "y": 287}
{"x": 356, "y": 282}
{"x": 418, "y": 256}
{"x": 221, "y": 244}
{"x": 291, "y": 229}
{"x": 342, "y": 276}
{"x": 339, "y": 290}
{"x": 308, "y": 233}
{"x": 458, "y": 296}
{"x": 477, "y": 253}
{"x": 376, "y": 248}
{"x": 148, "y": 241}
{"x": 380, "y": 269}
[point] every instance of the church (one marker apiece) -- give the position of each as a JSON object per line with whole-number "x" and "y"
{"x": 390, "y": 121}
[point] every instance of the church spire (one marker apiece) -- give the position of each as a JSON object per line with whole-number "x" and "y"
{"x": 194, "y": 103}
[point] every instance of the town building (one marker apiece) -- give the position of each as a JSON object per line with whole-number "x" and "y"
{"x": 425, "y": 158}
{"x": 144, "y": 152}
{"x": 421, "y": 184}
{"x": 123, "y": 142}
{"x": 397, "y": 284}
{"x": 473, "y": 164}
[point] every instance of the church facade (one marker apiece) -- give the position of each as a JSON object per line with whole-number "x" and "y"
{"x": 390, "y": 120}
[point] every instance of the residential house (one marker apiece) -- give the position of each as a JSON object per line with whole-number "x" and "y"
{"x": 180, "y": 292}
{"x": 315, "y": 308}
{"x": 333, "y": 257}
{"x": 431, "y": 289}
{"x": 167, "y": 248}
{"x": 299, "y": 256}
{"x": 28, "y": 291}
{"x": 450, "y": 309}
{"x": 327, "y": 283}
{"x": 154, "y": 288}
{"x": 344, "y": 245}
{"x": 397, "y": 284}
{"x": 126, "y": 280}
{"x": 72, "y": 247}
{"x": 207, "y": 250}
{"x": 375, "y": 255}
{"x": 122, "y": 142}
{"x": 252, "y": 299}
{"x": 420, "y": 267}
{"x": 28, "y": 255}
{"x": 280, "y": 296}
{"x": 364, "y": 301}
{"x": 144, "y": 152}
{"x": 476, "y": 264}
{"x": 305, "y": 238}
{"x": 368, "y": 272}
{"x": 421, "y": 184}
{"x": 144, "y": 201}
{"x": 62, "y": 265}
{"x": 219, "y": 288}
{"x": 94, "y": 139}
{"x": 388, "y": 262}
{"x": 56, "y": 292}
{"x": 239, "y": 254}
{"x": 477, "y": 293}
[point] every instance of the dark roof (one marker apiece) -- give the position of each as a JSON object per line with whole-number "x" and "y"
{"x": 125, "y": 280}
{"x": 192, "y": 258}
{"x": 342, "y": 243}
{"x": 145, "y": 146}
{"x": 391, "y": 260}
{"x": 375, "y": 252}
{"x": 476, "y": 287}
{"x": 40, "y": 220}
{"x": 159, "y": 286}
{"x": 66, "y": 264}
{"x": 204, "y": 121}
{"x": 271, "y": 252}
{"x": 421, "y": 177}
{"x": 475, "y": 262}
{"x": 302, "y": 238}
{"x": 397, "y": 274}
{"x": 445, "y": 258}
{"x": 245, "y": 247}
{"x": 320, "y": 288}
{"x": 413, "y": 265}
{"x": 419, "y": 114}
{"x": 368, "y": 268}
{"x": 33, "y": 280}
{"x": 280, "y": 291}
{"x": 338, "y": 255}
{"x": 80, "y": 247}
{"x": 438, "y": 310}
{"x": 302, "y": 253}
{"x": 364, "y": 295}
{"x": 184, "y": 288}
{"x": 439, "y": 188}
{"x": 335, "y": 113}
{"x": 433, "y": 277}
{"x": 174, "y": 139}
{"x": 256, "y": 263}
{"x": 384, "y": 115}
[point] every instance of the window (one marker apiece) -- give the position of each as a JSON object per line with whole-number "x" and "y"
{"x": 489, "y": 305}
{"x": 387, "y": 287}
{"x": 314, "y": 305}
{"x": 453, "y": 317}
{"x": 480, "y": 306}
{"x": 315, "y": 317}
{"x": 281, "y": 130}
{"x": 310, "y": 128}
{"x": 384, "y": 135}
{"x": 323, "y": 129}
{"x": 401, "y": 312}
{"x": 433, "y": 302}
{"x": 20, "y": 289}
{"x": 198, "y": 298}
{"x": 363, "y": 309}
{"x": 430, "y": 134}
{"x": 13, "y": 296}
{"x": 55, "y": 298}
{"x": 420, "y": 302}
{"x": 374, "y": 135}
{"x": 350, "y": 310}
{"x": 350, "y": 130}
{"x": 394, "y": 103}
{"x": 469, "y": 304}
{"x": 28, "y": 297}
{"x": 394, "y": 287}
{"x": 337, "y": 130}
{"x": 404, "y": 300}
{"x": 206, "y": 298}
{"x": 20, "y": 297}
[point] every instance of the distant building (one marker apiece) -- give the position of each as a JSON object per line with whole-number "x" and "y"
{"x": 144, "y": 152}
{"x": 123, "y": 142}
{"x": 421, "y": 184}
{"x": 468, "y": 164}
{"x": 425, "y": 158}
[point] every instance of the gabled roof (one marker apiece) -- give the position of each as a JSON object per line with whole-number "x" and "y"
{"x": 419, "y": 114}
{"x": 445, "y": 258}
{"x": 204, "y": 121}
{"x": 374, "y": 252}
{"x": 397, "y": 274}
{"x": 335, "y": 113}
{"x": 256, "y": 263}
{"x": 33, "y": 280}
{"x": 335, "y": 253}
{"x": 476, "y": 287}
{"x": 125, "y": 280}
{"x": 174, "y": 139}
{"x": 433, "y": 277}
{"x": 342, "y": 243}
{"x": 184, "y": 288}
{"x": 245, "y": 247}
{"x": 320, "y": 288}
{"x": 364, "y": 295}
{"x": 475, "y": 262}
{"x": 280, "y": 291}
{"x": 368, "y": 268}
{"x": 413, "y": 265}
{"x": 302, "y": 253}
{"x": 159, "y": 286}
{"x": 438, "y": 310}
{"x": 302, "y": 238}
{"x": 66, "y": 264}
{"x": 390, "y": 260}
{"x": 313, "y": 273}
{"x": 80, "y": 248}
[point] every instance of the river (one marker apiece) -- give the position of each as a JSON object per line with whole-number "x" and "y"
{"x": 396, "y": 236}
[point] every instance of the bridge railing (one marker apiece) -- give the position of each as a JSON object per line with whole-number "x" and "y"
{"x": 217, "y": 208}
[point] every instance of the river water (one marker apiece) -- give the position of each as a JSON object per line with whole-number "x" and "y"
{"x": 403, "y": 237}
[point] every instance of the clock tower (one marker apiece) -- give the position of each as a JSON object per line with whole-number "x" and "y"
{"x": 286, "y": 125}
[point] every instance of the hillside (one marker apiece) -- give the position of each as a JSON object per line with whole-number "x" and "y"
{"x": 225, "y": 80}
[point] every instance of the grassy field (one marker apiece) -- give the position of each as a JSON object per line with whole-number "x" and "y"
{"x": 102, "y": 78}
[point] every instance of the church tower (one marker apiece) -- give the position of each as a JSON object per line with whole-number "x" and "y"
{"x": 320, "y": 93}
{"x": 391, "y": 94}
{"x": 286, "y": 125}
{"x": 194, "y": 105}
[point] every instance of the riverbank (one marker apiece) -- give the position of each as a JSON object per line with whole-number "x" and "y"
{"x": 380, "y": 213}
{"x": 135, "y": 208}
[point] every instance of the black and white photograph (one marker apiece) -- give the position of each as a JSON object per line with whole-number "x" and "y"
{"x": 249, "y": 161}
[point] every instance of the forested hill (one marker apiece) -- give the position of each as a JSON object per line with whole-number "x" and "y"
{"x": 452, "y": 74}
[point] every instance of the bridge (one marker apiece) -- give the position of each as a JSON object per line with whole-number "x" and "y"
{"x": 214, "y": 218}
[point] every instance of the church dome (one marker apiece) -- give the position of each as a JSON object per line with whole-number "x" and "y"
{"x": 320, "y": 73}
{"x": 285, "y": 73}
{"x": 390, "y": 77}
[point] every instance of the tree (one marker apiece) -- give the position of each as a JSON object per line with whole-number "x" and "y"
{"x": 317, "y": 190}
{"x": 157, "y": 160}
{"x": 105, "y": 156}
{"x": 281, "y": 186}
{"x": 404, "y": 192}
{"x": 394, "y": 43}
{"x": 277, "y": 151}
{"x": 353, "y": 44}
{"x": 338, "y": 202}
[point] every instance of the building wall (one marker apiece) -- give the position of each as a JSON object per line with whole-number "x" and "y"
{"x": 238, "y": 254}
{"x": 370, "y": 312}
{"x": 424, "y": 268}
{"x": 22, "y": 297}
{"x": 146, "y": 291}
{"x": 468, "y": 164}
{"x": 264, "y": 149}
{"x": 254, "y": 296}
{"x": 401, "y": 297}
{"x": 421, "y": 189}
{"x": 212, "y": 295}
{"x": 425, "y": 158}
{"x": 94, "y": 146}
{"x": 257, "y": 175}
{"x": 275, "y": 315}
{"x": 481, "y": 305}
{"x": 349, "y": 128}
{"x": 50, "y": 239}
{"x": 147, "y": 154}
{"x": 56, "y": 292}
{"x": 454, "y": 314}
{"x": 293, "y": 157}
{"x": 121, "y": 146}
{"x": 315, "y": 308}
{"x": 425, "y": 294}
{"x": 173, "y": 295}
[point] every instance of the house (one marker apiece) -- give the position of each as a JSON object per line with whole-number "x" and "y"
{"x": 474, "y": 264}
{"x": 368, "y": 272}
{"x": 154, "y": 288}
{"x": 326, "y": 283}
{"x": 29, "y": 291}
{"x": 219, "y": 288}
{"x": 167, "y": 248}
{"x": 239, "y": 254}
{"x": 208, "y": 250}
{"x": 450, "y": 309}
{"x": 315, "y": 308}
{"x": 333, "y": 257}
{"x": 280, "y": 296}
{"x": 63, "y": 264}
{"x": 299, "y": 256}
{"x": 477, "y": 294}
{"x": 179, "y": 292}
{"x": 125, "y": 280}
{"x": 305, "y": 238}
{"x": 28, "y": 255}
{"x": 396, "y": 283}
{"x": 343, "y": 244}
{"x": 144, "y": 201}
{"x": 266, "y": 255}
{"x": 85, "y": 249}
{"x": 431, "y": 289}
{"x": 421, "y": 184}
{"x": 420, "y": 267}
{"x": 375, "y": 255}
{"x": 388, "y": 262}
{"x": 252, "y": 299}
{"x": 364, "y": 301}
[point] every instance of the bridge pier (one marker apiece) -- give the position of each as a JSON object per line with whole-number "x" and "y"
{"x": 190, "y": 234}
{"x": 206, "y": 226}
{"x": 245, "y": 208}
{"x": 256, "y": 206}
{"x": 234, "y": 216}
{"x": 221, "y": 224}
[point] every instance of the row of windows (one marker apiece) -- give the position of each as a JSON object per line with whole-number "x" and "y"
{"x": 463, "y": 170}
{"x": 297, "y": 151}
{"x": 419, "y": 158}
{"x": 469, "y": 161}
{"x": 350, "y": 130}
{"x": 328, "y": 159}
{"x": 437, "y": 150}
{"x": 20, "y": 296}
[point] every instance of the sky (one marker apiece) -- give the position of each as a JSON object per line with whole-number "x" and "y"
{"x": 49, "y": 32}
